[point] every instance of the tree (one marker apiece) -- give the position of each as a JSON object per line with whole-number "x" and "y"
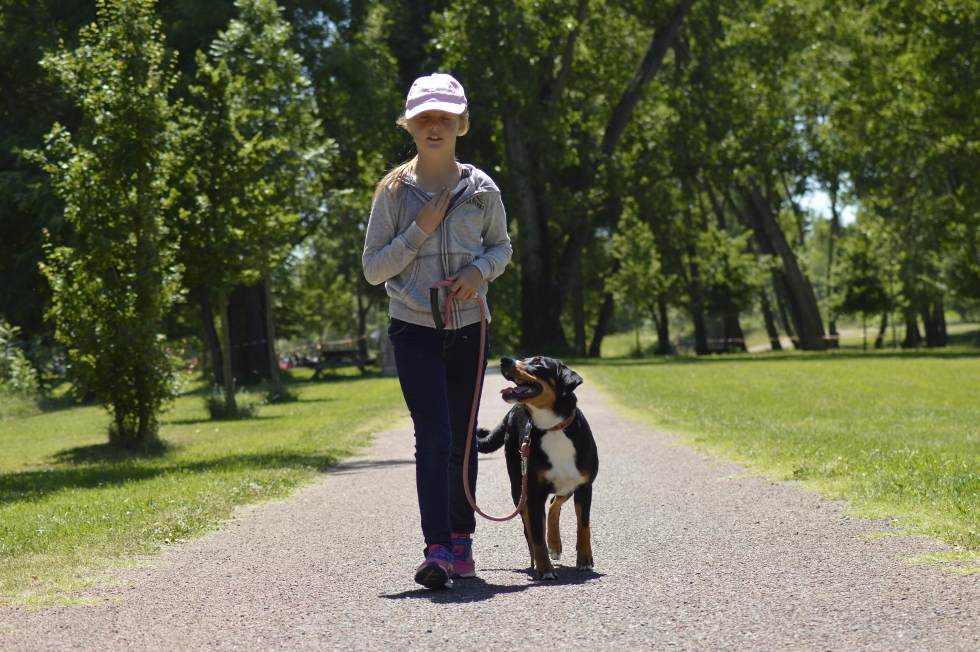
{"x": 862, "y": 280}
{"x": 563, "y": 95}
{"x": 30, "y": 102}
{"x": 637, "y": 282}
{"x": 256, "y": 173}
{"x": 113, "y": 286}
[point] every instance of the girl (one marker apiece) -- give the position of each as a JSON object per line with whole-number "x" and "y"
{"x": 435, "y": 219}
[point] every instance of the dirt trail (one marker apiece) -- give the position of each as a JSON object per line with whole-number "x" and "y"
{"x": 688, "y": 557}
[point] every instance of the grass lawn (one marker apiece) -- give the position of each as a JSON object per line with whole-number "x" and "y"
{"x": 895, "y": 433}
{"x": 70, "y": 510}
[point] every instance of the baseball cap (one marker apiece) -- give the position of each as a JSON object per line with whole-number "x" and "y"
{"x": 436, "y": 92}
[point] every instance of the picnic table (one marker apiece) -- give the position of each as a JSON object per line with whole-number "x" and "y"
{"x": 333, "y": 355}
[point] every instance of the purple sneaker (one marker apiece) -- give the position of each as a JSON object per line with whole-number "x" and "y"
{"x": 435, "y": 571}
{"x": 463, "y": 564}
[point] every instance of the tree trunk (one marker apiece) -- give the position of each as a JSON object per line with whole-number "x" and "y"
{"x": 833, "y": 340}
{"x": 578, "y": 314}
{"x": 270, "y": 335}
{"x": 781, "y": 292}
{"x": 882, "y": 330}
{"x": 249, "y": 337}
{"x": 697, "y": 307}
{"x": 734, "y": 338}
{"x": 663, "y": 327}
{"x": 801, "y": 301}
{"x": 775, "y": 344}
{"x": 207, "y": 319}
{"x": 605, "y": 314}
{"x": 649, "y": 65}
{"x": 231, "y": 407}
{"x": 912, "y": 335}
{"x": 934, "y": 318}
{"x": 539, "y": 324}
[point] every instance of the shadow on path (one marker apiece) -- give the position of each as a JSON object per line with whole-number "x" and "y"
{"x": 347, "y": 468}
{"x": 476, "y": 589}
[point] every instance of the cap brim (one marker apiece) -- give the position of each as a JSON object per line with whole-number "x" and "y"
{"x": 448, "y": 107}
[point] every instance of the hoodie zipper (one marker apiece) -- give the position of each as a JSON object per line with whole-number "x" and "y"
{"x": 444, "y": 243}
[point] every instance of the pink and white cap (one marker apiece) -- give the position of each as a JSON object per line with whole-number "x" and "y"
{"x": 436, "y": 92}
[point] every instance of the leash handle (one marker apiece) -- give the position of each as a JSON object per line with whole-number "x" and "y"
{"x": 442, "y": 324}
{"x": 525, "y": 446}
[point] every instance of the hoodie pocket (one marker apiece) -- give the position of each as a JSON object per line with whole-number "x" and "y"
{"x": 414, "y": 292}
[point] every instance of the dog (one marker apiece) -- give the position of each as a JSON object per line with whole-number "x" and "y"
{"x": 563, "y": 458}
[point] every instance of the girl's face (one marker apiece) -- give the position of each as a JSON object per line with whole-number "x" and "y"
{"x": 434, "y": 131}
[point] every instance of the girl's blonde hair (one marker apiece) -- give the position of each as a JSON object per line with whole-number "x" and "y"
{"x": 396, "y": 175}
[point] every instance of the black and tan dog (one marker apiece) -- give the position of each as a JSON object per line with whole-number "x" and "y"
{"x": 563, "y": 459}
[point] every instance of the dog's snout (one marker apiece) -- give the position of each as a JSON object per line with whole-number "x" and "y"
{"x": 506, "y": 364}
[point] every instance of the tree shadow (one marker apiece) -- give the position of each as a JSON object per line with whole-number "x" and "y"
{"x": 191, "y": 422}
{"x": 349, "y": 468}
{"x": 476, "y": 589}
{"x": 112, "y": 453}
{"x": 93, "y": 467}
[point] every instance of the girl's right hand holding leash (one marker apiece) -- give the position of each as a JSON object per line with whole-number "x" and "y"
{"x": 431, "y": 215}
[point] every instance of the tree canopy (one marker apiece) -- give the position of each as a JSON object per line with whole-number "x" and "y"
{"x": 691, "y": 130}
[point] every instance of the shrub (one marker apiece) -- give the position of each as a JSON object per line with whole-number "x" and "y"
{"x": 246, "y": 406}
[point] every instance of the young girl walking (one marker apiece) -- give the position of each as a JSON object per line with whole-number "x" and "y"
{"x": 435, "y": 219}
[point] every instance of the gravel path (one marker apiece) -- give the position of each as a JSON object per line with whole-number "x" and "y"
{"x": 688, "y": 557}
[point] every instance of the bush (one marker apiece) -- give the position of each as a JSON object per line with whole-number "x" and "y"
{"x": 16, "y": 372}
{"x": 246, "y": 405}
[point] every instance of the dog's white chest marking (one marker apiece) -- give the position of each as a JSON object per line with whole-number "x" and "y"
{"x": 561, "y": 453}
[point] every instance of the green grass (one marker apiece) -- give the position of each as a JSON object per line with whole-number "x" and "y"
{"x": 895, "y": 433}
{"x": 71, "y": 510}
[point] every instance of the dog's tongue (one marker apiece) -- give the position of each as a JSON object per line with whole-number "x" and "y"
{"x": 515, "y": 390}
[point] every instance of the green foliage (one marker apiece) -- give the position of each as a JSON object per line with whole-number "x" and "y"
{"x": 258, "y": 160}
{"x": 31, "y": 104}
{"x": 730, "y": 276}
{"x": 638, "y": 281}
{"x": 114, "y": 284}
{"x": 863, "y": 277}
{"x": 17, "y": 375}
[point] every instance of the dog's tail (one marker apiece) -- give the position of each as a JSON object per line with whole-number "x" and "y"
{"x": 488, "y": 442}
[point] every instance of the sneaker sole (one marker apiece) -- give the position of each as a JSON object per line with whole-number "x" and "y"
{"x": 433, "y": 576}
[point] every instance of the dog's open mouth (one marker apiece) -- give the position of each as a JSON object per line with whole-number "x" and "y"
{"x": 524, "y": 389}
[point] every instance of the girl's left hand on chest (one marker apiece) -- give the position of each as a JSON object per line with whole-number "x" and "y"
{"x": 466, "y": 283}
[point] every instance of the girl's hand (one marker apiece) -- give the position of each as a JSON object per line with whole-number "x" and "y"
{"x": 431, "y": 215}
{"x": 466, "y": 283}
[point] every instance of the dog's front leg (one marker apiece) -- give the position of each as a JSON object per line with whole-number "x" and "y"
{"x": 554, "y": 529}
{"x": 534, "y": 528}
{"x": 583, "y": 511}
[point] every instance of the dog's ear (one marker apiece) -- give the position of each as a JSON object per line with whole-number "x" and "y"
{"x": 568, "y": 380}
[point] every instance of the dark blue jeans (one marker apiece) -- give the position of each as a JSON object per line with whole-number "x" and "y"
{"x": 438, "y": 374}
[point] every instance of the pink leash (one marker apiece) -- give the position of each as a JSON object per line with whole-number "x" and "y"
{"x": 525, "y": 446}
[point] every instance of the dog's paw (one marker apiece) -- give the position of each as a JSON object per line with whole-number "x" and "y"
{"x": 555, "y": 553}
{"x": 584, "y": 567}
{"x": 548, "y": 575}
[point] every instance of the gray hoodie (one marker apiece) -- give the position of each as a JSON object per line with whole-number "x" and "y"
{"x": 398, "y": 253}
